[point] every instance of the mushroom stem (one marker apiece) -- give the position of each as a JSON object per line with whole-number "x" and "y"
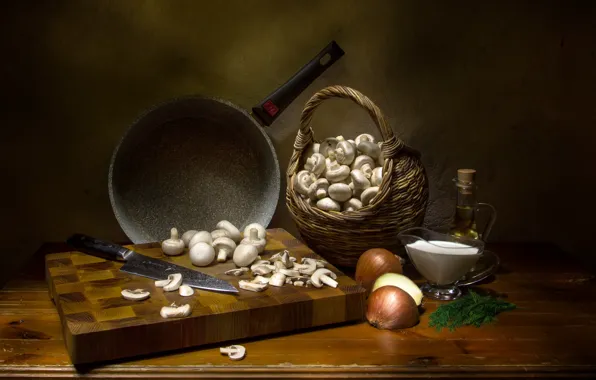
{"x": 222, "y": 255}
{"x": 254, "y": 234}
{"x": 328, "y": 281}
{"x": 174, "y": 234}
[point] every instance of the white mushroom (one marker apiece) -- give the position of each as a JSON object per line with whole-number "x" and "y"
{"x": 328, "y": 204}
{"x": 201, "y": 254}
{"x": 234, "y": 352}
{"x": 359, "y": 182}
{"x": 174, "y": 245}
{"x": 277, "y": 265}
{"x": 278, "y": 279}
{"x": 261, "y": 280}
{"x": 234, "y": 232}
{"x": 324, "y": 276}
{"x": 224, "y": 247}
{"x": 377, "y": 176}
{"x": 201, "y": 236}
{"x": 370, "y": 148}
{"x": 367, "y": 195}
{"x": 364, "y": 163}
{"x": 286, "y": 260}
{"x": 254, "y": 239}
{"x": 262, "y": 269}
{"x": 175, "y": 282}
{"x": 236, "y": 271}
{"x": 336, "y": 172}
{"x": 316, "y": 164}
{"x": 320, "y": 263}
{"x": 252, "y": 286}
{"x": 288, "y": 272}
{"x": 187, "y": 236}
{"x": 302, "y": 180}
{"x": 174, "y": 311}
{"x": 262, "y": 232}
{"x": 311, "y": 266}
{"x": 185, "y": 291}
{"x": 135, "y": 294}
{"x": 318, "y": 190}
{"x": 312, "y": 149}
{"x": 353, "y": 144}
{"x": 363, "y": 137}
{"x": 328, "y": 145}
{"x": 245, "y": 254}
{"x": 340, "y": 192}
{"x": 161, "y": 283}
{"x": 259, "y": 262}
{"x": 298, "y": 283}
{"x": 344, "y": 152}
{"x": 352, "y": 205}
{"x": 220, "y": 232}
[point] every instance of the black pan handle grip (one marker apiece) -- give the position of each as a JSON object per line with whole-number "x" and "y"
{"x": 99, "y": 248}
{"x": 276, "y": 102}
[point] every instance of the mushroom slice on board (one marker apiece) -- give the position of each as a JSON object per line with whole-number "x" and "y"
{"x": 135, "y": 294}
{"x": 324, "y": 276}
{"x": 234, "y": 352}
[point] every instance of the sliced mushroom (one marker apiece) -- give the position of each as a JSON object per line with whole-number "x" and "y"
{"x": 368, "y": 195}
{"x": 288, "y": 281}
{"x": 261, "y": 280}
{"x": 175, "y": 311}
{"x": 316, "y": 164}
{"x": 224, "y": 247}
{"x": 279, "y": 265}
{"x": 285, "y": 259}
{"x": 252, "y": 286}
{"x": 185, "y": 291}
{"x": 278, "y": 279}
{"x": 259, "y": 262}
{"x": 298, "y": 283}
{"x": 237, "y": 271}
{"x": 254, "y": 239}
{"x": 277, "y": 256}
{"x": 289, "y": 272}
{"x": 228, "y": 226}
{"x": 318, "y": 189}
{"x": 324, "y": 276}
{"x": 262, "y": 269}
{"x": 175, "y": 282}
{"x": 161, "y": 283}
{"x": 320, "y": 263}
{"x": 135, "y": 294}
{"x": 234, "y": 352}
{"x": 311, "y": 266}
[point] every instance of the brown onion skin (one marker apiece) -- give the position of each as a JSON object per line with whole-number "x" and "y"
{"x": 373, "y": 263}
{"x": 390, "y": 308}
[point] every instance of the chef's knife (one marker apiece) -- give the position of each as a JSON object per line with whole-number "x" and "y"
{"x": 146, "y": 266}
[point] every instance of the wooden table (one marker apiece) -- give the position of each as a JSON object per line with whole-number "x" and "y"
{"x": 551, "y": 334}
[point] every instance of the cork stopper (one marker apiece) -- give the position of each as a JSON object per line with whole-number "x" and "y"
{"x": 466, "y": 175}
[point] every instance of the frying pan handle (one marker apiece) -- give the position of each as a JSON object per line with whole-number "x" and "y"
{"x": 276, "y": 102}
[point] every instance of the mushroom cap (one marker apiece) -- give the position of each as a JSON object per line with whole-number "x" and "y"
{"x": 368, "y": 195}
{"x": 202, "y": 254}
{"x": 224, "y": 243}
{"x": 316, "y": 276}
{"x": 262, "y": 233}
{"x": 345, "y": 152}
{"x": 228, "y": 226}
{"x": 327, "y": 146}
{"x": 362, "y": 160}
{"x": 245, "y": 254}
{"x": 201, "y": 236}
{"x": 336, "y": 172}
{"x": 377, "y": 176}
{"x": 188, "y": 235}
{"x": 370, "y": 149}
{"x": 328, "y": 204}
{"x": 353, "y": 203}
{"x": 363, "y": 137}
{"x": 340, "y": 192}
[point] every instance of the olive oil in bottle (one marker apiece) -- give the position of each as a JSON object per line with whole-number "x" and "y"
{"x": 464, "y": 221}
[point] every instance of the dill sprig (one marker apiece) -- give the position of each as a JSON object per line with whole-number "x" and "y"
{"x": 471, "y": 309}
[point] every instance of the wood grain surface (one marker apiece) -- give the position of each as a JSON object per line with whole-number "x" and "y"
{"x": 551, "y": 334}
{"x": 99, "y": 324}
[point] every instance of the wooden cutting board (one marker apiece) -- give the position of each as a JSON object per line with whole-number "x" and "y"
{"x": 98, "y": 324}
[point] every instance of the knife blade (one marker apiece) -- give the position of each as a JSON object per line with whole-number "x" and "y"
{"x": 141, "y": 265}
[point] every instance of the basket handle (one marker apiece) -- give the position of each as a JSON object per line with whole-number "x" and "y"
{"x": 391, "y": 144}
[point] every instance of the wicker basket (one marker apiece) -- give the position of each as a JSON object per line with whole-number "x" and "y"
{"x": 341, "y": 237}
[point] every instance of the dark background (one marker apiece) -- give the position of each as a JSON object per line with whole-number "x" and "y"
{"x": 506, "y": 87}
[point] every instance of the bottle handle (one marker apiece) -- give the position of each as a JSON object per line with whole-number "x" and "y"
{"x": 491, "y": 220}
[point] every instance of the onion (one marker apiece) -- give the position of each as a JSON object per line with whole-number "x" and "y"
{"x": 374, "y": 263}
{"x": 391, "y": 308}
{"x": 402, "y": 282}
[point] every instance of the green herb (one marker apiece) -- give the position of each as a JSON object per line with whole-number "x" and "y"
{"x": 471, "y": 309}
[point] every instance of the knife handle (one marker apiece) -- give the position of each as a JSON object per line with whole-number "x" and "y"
{"x": 98, "y": 247}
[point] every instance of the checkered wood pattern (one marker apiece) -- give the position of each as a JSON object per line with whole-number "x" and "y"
{"x": 98, "y": 324}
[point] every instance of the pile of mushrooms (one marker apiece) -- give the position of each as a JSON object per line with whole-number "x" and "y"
{"x": 223, "y": 243}
{"x": 282, "y": 269}
{"x": 341, "y": 175}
